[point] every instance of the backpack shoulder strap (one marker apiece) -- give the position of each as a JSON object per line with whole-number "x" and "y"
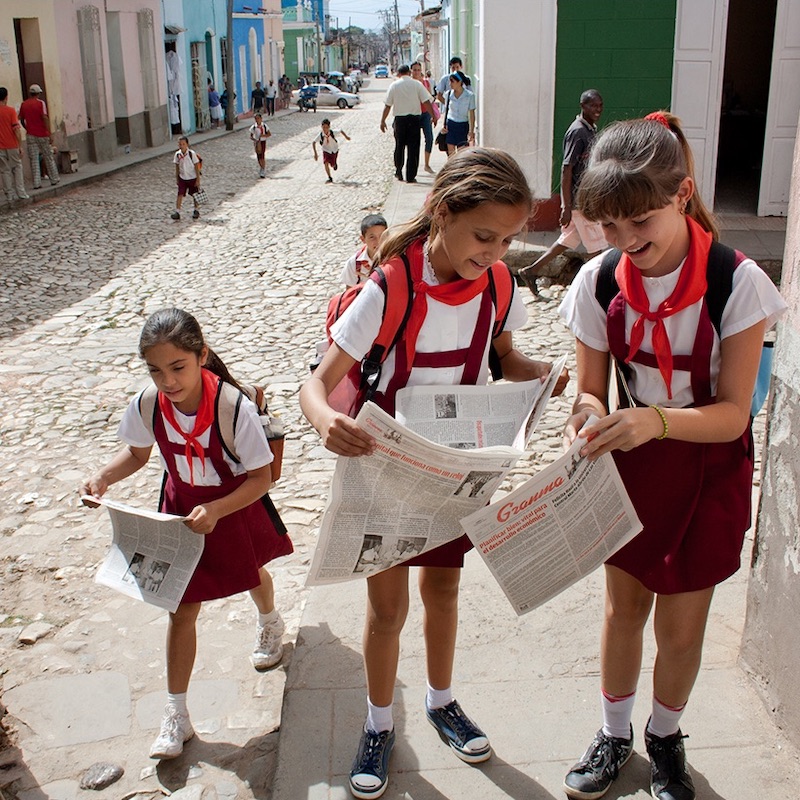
{"x": 722, "y": 261}
{"x": 395, "y": 280}
{"x": 226, "y": 413}
{"x": 607, "y": 288}
{"x": 147, "y": 403}
{"x": 501, "y": 287}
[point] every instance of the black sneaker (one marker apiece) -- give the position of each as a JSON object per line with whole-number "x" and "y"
{"x": 370, "y": 773}
{"x": 175, "y": 215}
{"x": 195, "y": 214}
{"x": 458, "y": 731}
{"x": 669, "y": 778}
{"x": 592, "y": 776}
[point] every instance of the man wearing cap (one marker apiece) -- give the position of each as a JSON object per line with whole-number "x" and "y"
{"x": 10, "y": 150}
{"x": 33, "y": 116}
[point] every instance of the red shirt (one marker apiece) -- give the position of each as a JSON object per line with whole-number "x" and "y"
{"x": 8, "y": 127}
{"x": 32, "y": 113}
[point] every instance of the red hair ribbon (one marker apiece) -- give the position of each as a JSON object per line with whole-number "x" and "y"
{"x": 657, "y": 116}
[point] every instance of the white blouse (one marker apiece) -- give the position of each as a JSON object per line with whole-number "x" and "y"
{"x": 249, "y": 442}
{"x": 753, "y": 298}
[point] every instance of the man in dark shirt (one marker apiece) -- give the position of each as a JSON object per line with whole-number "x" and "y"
{"x": 575, "y": 228}
{"x": 258, "y": 99}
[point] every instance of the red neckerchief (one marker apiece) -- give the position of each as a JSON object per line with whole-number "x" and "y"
{"x": 690, "y": 288}
{"x": 454, "y": 293}
{"x": 202, "y": 421}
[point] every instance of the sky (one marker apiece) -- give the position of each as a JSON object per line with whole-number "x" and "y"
{"x": 364, "y": 13}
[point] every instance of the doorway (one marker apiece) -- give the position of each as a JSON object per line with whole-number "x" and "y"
{"x": 29, "y": 53}
{"x": 745, "y": 95}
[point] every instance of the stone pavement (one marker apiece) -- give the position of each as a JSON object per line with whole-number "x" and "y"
{"x": 86, "y": 268}
{"x": 81, "y": 272}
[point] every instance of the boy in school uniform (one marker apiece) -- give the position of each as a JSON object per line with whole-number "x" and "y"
{"x": 330, "y": 148}
{"x": 358, "y": 267}
{"x": 187, "y": 174}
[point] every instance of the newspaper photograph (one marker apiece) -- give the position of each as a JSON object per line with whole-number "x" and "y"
{"x": 152, "y": 555}
{"x": 466, "y": 417}
{"x": 555, "y": 528}
{"x": 405, "y": 499}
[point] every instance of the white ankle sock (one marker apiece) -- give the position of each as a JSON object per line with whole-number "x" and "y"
{"x": 270, "y": 616}
{"x": 438, "y": 698}
{"x": 379, "y": 718}
{"x": 179, "y": 701}
{"x": 617, "y": 713}
{"x": 665, "y": 720}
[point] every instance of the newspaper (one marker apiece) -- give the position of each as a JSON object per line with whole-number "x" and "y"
{"x": 152, "y": 555}
{"x": 466, "y": 417}
{"x": 554, "y": 529}
{"x": 405, "y": 499}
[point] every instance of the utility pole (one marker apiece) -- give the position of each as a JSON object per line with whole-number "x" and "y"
{"x": 424, "y": 37}
{"x": 399, "y": 51}
{"x": 319, "y": 46}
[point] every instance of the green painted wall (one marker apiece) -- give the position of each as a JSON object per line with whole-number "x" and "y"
{"x": 622, "y": 48}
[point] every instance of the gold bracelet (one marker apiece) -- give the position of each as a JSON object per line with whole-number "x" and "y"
{"x": 664, "y": 421}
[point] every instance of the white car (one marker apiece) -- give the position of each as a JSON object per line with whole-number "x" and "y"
{"x": 328, "y": 95}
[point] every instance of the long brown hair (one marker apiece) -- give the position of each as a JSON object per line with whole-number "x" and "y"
{"x": 178, "y": 327}
{"x": 636, "y": 166}
{"x": 470, "y": 178}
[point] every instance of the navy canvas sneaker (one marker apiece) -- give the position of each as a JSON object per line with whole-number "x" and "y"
{"x": 458, "y": 731}
{"x": 370, "y": 773}
{"x": 670, "y": 780}
{"x": 592, "y": 776}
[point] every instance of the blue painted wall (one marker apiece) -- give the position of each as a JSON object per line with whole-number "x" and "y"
{"x": 200, "y": 19}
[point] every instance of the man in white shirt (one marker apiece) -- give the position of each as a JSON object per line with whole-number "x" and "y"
{"x": 404, "y": 98}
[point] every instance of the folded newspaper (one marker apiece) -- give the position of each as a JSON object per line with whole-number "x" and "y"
{"x": 466, "y": 417}
{"x": 405, "y": 499}
{"x": 555, "y": 528}
{"x": 152, "y": 555}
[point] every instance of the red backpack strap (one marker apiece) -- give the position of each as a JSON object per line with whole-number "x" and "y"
{"x": 396, "y": 281}
{"x": 501, "y": 286}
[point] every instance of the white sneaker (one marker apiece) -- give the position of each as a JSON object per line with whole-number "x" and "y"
{"x": 175, "y": 730}
{"x": 268, "y": 649}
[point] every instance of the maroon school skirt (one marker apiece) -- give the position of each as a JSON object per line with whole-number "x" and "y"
{"x": 694, "y": 502}
{"x": 240, "y": 544}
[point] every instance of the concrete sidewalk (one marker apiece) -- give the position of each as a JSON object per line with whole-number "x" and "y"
{"x": 531, "y": 682}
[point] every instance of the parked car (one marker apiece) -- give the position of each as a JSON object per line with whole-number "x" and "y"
{"x": 381, "y": 71}
{"x": 328, "y": 95}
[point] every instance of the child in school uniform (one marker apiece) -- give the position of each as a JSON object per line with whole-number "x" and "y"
{"x": 358, "y": 267}
{"x": 685, "y": 449}
{"x": 188, "y": 167}
{"x": 222, "y": 499}
{"x": 259, "y": 133}
{"x": 479, "y": 202}
{"x": 330, "y": 147}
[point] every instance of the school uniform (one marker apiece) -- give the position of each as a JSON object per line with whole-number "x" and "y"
{"x": 452, "y": 348}
{"x": 357, "y": 268}
{"x": 241, "y": 542}
{"x": 692, "y": 498}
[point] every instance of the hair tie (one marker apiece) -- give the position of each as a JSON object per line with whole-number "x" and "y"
{"x": 657, "y": 116}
